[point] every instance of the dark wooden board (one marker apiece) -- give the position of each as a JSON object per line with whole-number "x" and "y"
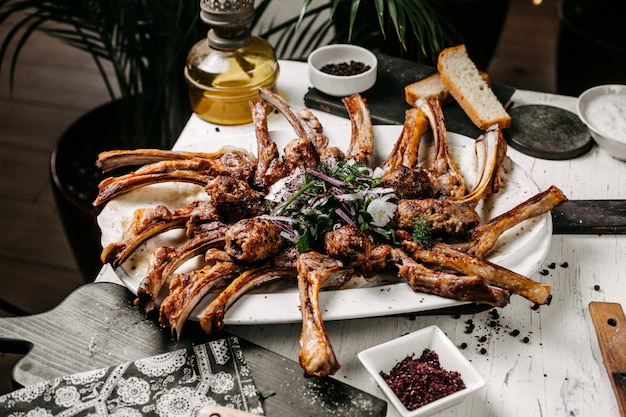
{"x": 98, "y": 326}
{"x": 386, "y": 101}
{"x": 589, "y": 217}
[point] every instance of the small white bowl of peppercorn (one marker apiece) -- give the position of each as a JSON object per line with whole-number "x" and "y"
{"x": 341, "y": 70}
{"x": 421, "y": 373}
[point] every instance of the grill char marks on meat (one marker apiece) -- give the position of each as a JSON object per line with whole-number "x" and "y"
{"x": 445, "y": 176}
{"x": 148, "y": 223}
{"x": 164, "y": 261}
{"x": 409, "y": 183}
{"x": 186, "y": 291}
{"x": 349, "y": 245}
{"x": 445, "y": 256}
{"x": 212, "y": 318}
{"x": 253, "y": 240}
{"x": 232, "y": 162}
{"x": 362, "y": 137}
{"x": 442, "y": 217}
{"x": 270, "y": 168}
{"x": 459, "y": 287}
{"x": 234, "y": 199}
{"x": 300, "y": 153}
{"x": 317, "y": 271}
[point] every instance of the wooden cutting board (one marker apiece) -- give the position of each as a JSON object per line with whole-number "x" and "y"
{"x": 98, "y": 326}
{"x": 610, "y": 325}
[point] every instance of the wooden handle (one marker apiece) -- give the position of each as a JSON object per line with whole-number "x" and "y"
{"x": 217, "y": 411}
{"x": 610, "y": 324}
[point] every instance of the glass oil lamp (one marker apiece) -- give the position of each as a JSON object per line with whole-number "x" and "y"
{"x": 225, "y": 70}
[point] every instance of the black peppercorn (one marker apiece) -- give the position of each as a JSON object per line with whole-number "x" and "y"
{"x": 345, "y": 68}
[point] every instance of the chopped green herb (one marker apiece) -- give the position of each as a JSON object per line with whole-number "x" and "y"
{"x": 421, "y": 231}
{"x": 266, "y": 394}
{"x": 321, "y": 199}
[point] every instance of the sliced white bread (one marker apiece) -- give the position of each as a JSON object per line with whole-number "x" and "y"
{"x": 426, "y": 88}
{"x": 460, "y": 75}
{"x": 432, "y": 86}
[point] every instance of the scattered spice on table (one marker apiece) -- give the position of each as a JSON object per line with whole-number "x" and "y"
{"x": 345, "y": 68}
{"x": 420, "y": 381}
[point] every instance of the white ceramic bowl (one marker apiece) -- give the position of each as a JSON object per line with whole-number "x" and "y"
{"x": 603, "y": 110}
{"x": 341, "y": 85}
{"x": 385, "y": 356}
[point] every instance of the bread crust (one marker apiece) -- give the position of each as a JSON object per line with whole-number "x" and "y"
{"x": 428, "y": 87}
{"x": 482, "y": 118}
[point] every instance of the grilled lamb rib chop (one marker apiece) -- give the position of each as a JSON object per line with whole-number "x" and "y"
{"x": 409, "y": 183}
{"x": 442, "y": 217}
{"x": 349, "y": 245}
{"x": 445, "y": 175}
{"x": 212, "y": 318}
{"x": 406, "y": 148}
{"x": 445, "y": 256}
{"x": 110, "y": 160}
{"x": 270, "y": 168}
{"x": 253, "y": 240}
{"x": 186, "y": 291}
{"x": 362, "y": 138}
{"x": 484, "y": 236}
{"x": 300, "y": 153}
{"x": 317, "y": 271}
{"x": 236, "y": 163}
{"x": 234, "y": 199}
{"x": 459, "y": 287}
{"x": 165, "y": 260}
{"x": 148, "y": 223}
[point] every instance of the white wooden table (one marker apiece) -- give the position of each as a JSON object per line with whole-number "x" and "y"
{"x": 559, "y": 370}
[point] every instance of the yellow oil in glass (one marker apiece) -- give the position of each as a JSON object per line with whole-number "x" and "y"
{"x": 222, "y": 82}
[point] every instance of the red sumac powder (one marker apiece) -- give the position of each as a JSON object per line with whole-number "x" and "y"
{"x": 418, "y": 382}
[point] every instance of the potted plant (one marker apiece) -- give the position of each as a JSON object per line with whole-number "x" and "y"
{"x": 145, "y": 42}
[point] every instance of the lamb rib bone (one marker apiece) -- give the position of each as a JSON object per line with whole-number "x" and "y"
{"x": 159, "y": 271}
{"x": 459, "y": 287}
{"x": 362, "y": 138}
{"x": 484, "y": 236}
{"x": 187, "y": 290}
{"x": 212, "y": 318}
{"x": 110, "y": 160}
{"x": 445, "y": 256}
{"x": 270, "y": 167}
{"x": 490, "y": 152}
{"x": 445, "y": 175}
{"x": 317, "y": 271}
{"x": 237, "y": 163}
{"x": 151, "y": 222}
{"x": 301, "y": 128}
{"x": 406, "y": 148}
